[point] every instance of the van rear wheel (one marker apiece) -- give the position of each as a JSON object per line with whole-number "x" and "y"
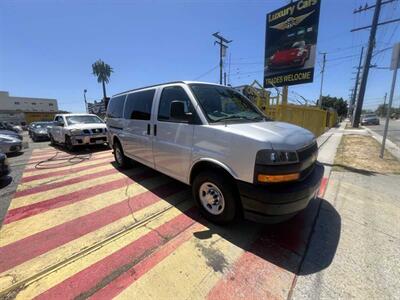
{"x": 120, "y": 158}
{"x": 214, "y": 194}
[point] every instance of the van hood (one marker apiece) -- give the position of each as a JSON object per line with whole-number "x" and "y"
{"x": 281, "y": 135}
{"x": 87, "y": 126}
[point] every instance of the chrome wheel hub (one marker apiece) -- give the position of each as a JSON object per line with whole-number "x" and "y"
{"x": 211, "y": 198}
{"x": 118, "y": 155}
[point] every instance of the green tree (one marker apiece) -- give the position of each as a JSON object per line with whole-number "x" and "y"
{"x": 382, "y": 109}
{"x": 337, "y": 103}
{"x": 103, "y": 72}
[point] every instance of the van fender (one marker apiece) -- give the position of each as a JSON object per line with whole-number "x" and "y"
{"x": 215, "y": 162}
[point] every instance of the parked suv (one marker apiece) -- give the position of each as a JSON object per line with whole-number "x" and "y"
{"x": 77, "y": 129}
{"x": 213, "y": 138}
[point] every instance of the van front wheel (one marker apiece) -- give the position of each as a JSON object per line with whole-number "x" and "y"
{"x": 215, "y": 197}
{"x": 120, "y": 158}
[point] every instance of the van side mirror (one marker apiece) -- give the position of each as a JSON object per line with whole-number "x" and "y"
{"x": 177, "y": 111}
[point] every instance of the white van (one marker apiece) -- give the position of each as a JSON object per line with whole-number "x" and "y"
{"x": 213, "y": 138}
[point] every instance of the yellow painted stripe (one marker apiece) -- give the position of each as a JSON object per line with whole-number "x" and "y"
{"x": 17, "y": 230}
{"x": 89, "y": 162}
{"x": 45, "y": 283}
{"x": 39, "y": 263}
{"x": 60, "y": 178}
{"x": 193, "y": 269}
{"x": 46, "y": 195}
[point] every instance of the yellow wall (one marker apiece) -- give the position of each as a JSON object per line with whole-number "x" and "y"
{"x": 38, "y": 116}
{"x": 311, "y": 118}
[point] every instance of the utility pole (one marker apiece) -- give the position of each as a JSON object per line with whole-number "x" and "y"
{"x": 229, "y": 70}
{"x": 322, "y": 79}
{"x": 371, "y": 45}
{"x": 353, "y": 99}
{"x": 395, "y": 65}
{"x": 384, "y": 101}
{"x": 367, "y": 63}
{"x": 222, "y": 42}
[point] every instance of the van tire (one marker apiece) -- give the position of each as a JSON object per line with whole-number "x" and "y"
{"x": 122, "y": 161}
{"x": 211, "y": 184}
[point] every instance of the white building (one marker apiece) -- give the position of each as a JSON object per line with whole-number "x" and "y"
{"x": 21, "y": 109}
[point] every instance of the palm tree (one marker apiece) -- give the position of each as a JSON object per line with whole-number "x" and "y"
{"x": 103, "y": 72}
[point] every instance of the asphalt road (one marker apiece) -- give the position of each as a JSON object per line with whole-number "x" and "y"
{"x": 393, "y": 132}
{"x": 18, "y": 162}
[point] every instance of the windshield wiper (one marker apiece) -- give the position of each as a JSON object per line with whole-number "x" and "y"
{"x": 239, "y": 117}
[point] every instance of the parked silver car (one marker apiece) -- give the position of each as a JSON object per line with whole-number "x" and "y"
{"x": 9, "y": 144}
{"x": 11, "y": 133}
{"x": 369, "y": 119}
{"x": 38, "y": 131}
{"x": 213, "y": 138}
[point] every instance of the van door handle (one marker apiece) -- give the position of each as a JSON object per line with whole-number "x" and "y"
{"x": 155, "y": 129}
{"x": 148, "y": 129}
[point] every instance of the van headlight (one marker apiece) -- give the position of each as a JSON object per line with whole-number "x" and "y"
{"x": 273, "y": 157}
{"x": 276, "y": 157}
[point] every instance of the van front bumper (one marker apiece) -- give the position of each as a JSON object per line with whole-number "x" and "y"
{"x": 277, "y": 203}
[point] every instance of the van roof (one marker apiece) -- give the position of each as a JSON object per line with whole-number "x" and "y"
{"x": 165, "y": 83}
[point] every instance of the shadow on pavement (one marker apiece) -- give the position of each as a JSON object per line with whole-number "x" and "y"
{"x": 5, "y": 181}
{"x": 15, "y": 154}
{"x": 284, "y": 244}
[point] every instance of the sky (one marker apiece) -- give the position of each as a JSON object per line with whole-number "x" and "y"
{"x": 47, "y": 47}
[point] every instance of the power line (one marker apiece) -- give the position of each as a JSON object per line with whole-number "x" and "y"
{"x": 343, "y": 57}
{"x": 206, "y": 73}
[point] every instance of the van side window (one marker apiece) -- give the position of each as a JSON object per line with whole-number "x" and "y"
{"x": 168, "y": 95}
{"x": 115, "y": 107}
{"x": 138, "y": 105}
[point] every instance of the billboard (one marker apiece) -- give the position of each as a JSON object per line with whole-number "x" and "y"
{"x": 290, "y": 44}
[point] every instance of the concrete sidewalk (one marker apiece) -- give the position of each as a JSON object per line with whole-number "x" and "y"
{"x": 366, "y": 264}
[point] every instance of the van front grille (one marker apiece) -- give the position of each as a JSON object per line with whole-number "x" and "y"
{"x": 307, "y": 152}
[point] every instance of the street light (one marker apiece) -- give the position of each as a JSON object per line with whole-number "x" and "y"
{"x": 84, "y": 96}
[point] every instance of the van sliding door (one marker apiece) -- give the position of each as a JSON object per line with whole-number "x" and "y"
{"x": 137, "y": 114}
{"x": 173, "y": 139}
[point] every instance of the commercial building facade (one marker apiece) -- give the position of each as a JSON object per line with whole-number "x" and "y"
{"x": 20, "y": 110}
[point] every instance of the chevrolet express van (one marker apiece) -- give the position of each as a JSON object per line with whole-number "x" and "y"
{"x": 238, "y": 162}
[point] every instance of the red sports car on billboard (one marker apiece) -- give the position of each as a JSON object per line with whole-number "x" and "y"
{"x": 289, "y": 56}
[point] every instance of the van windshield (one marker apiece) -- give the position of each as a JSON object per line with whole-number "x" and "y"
{"x": 225, "y": 104}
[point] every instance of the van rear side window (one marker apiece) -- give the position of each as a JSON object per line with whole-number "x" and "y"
{"x": 115, "y": 107}
{"x": 138, "y": 105}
